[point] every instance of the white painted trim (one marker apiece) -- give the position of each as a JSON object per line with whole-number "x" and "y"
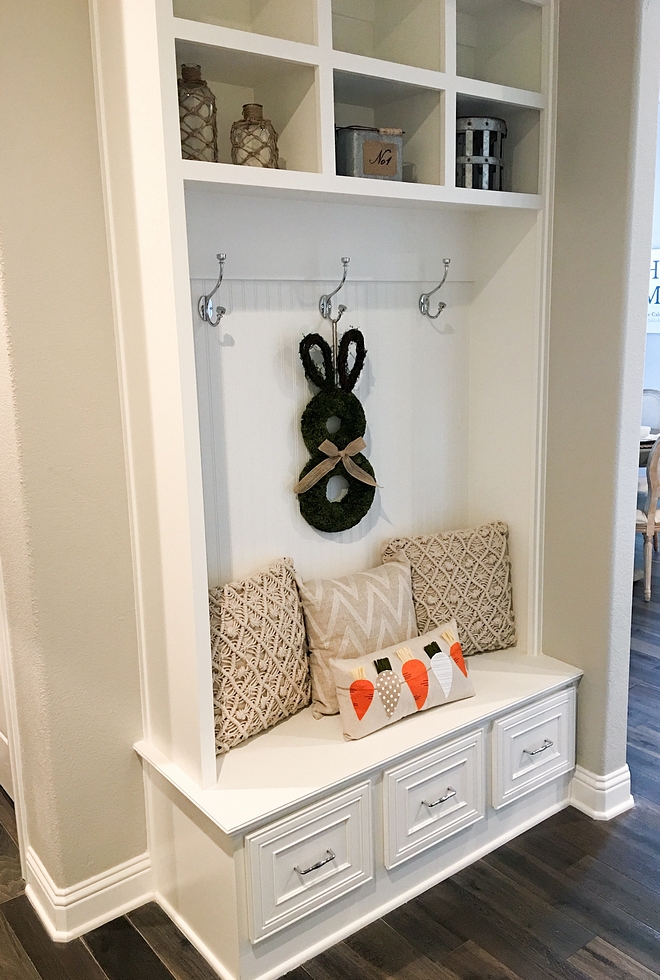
{"x": 348, "y": 930}
{"x": 601, "y": 797}
{"x": 6, "y": 779}
{"x": 193, "y": 938}
{"x": 11, "y": 711}
{"x": 69, "y": 912}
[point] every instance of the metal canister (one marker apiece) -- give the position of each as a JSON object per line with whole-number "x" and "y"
{"x": 479, "y": 146}
{"x": 364, "y": 151}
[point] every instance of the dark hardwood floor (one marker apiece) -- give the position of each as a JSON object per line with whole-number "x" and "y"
{"x": 572, "y": 899}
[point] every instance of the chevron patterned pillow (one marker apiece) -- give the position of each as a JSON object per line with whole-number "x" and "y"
{"x": 260, "y": 668}
{"x": 463, "y": 575}
{"x": 351, "y": 617}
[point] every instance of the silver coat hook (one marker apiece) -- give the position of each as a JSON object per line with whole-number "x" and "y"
{"x": 325, "y": 303}
{"x": 205, "y": 305}
{"x": 425, "y": 297}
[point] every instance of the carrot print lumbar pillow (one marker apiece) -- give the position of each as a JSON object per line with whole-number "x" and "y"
{"x": 379, "y": 689}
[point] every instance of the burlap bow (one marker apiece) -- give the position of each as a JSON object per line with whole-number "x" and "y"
{"x": 334, "y": 455}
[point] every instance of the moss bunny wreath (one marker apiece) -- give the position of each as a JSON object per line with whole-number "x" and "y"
{"x": 346, "y": 443}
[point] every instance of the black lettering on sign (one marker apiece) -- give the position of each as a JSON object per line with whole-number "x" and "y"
{"x": 383, "y": 158}
{"x": 379, "y": 159}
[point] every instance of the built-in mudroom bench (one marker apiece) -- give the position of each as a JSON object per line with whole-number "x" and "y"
{"x": 280, "y": 846}
{"x": 305, "y": 837}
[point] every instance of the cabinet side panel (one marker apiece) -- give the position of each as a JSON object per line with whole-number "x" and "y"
{"x": 504, "y": 337}
{"x": 194, "y": 874}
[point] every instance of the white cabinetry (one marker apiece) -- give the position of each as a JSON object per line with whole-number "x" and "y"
{"x": 305, "y": 837}
{"x": 533, "y": 746}
{"x": 433, "y": 797}
{"x": 300, "y": 864}
{"x": 456, "y": 412}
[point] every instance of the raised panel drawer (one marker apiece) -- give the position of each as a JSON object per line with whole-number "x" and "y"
{"x": 433, "y": 797}
{"x": 301, "y": 863}
{"x": 533, "y": 746}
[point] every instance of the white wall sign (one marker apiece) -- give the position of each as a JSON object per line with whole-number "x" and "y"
{"x": 653, "y": 319}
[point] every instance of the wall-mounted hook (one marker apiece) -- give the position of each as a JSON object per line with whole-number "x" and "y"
{"x": 325, "y": 306}
{"x": 205, "y": 305}
{"x": 325, "y": 303}
{"x": 425, "y": 297}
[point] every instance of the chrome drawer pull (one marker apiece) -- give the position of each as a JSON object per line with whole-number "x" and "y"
{"x": 546, "y": 745}
{"x": 326, "y": 860}
{"x": 443, "y": 799}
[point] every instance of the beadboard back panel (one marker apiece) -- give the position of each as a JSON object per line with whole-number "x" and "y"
{"x": 252, "y": 391}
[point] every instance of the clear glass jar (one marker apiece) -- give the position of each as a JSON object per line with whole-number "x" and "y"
{"x": 197, "y": 116}
{"x": 254, "y": 140}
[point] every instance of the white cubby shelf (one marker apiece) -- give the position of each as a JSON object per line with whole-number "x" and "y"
{"x": 500, "y": 41}
{"x": 271, "y": 18}
{"x": 456, "y": 407}
{"x": 350, "y": 190}
{"x": 380, "y": 69}
{"x": 408, "y": 33}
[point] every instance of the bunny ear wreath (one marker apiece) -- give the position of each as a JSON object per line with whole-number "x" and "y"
{"x": 348, "y": 379}
{"x": 326, "y": 380}
{"x": 346, "y": 442}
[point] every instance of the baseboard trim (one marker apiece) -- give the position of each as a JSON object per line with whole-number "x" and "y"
{"x": 193, "y": 938}
{"x": 601, "y": 797}
{"x": 69, "y": 912}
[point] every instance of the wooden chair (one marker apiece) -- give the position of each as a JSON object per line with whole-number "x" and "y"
{"x": 651, "y": 408}
{"x": 648, "y": 519}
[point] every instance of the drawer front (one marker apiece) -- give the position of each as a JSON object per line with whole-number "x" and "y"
{"x": 533, "y": 746}
{"x": 433, "y": 797}
{"x": 301, "y": 863}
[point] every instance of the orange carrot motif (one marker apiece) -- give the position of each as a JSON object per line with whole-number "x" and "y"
{"x": 388, "y": 685}
{"x": 362, "y": 692}
{"x": 415, "y": 675}
{"x": 455, "y": 650}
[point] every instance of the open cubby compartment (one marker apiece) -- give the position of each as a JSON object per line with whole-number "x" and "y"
{"x": 522, "y": 143}
{"x": 287, "y": 90}
{"x": 500, "y": 41}
{"x": 410, "y": 32}
{"x": 364, "y": 100}
{"x": 294, "y": 20}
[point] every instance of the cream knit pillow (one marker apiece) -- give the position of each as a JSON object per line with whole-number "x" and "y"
{"x": 260, "y": 668}
{"x": 463, "y": 575}
{"x": 351, "y": 617}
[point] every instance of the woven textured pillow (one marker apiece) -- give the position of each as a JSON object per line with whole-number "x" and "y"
{"x": 260, "y": 668}
{"x": 378, "y": 690}
{"x": 466, "y": 576}
{"x": 351, "y": 617}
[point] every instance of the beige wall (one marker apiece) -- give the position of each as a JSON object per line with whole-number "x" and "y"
{"x": 602, "y": 237}
{"x": 64, "y": 531}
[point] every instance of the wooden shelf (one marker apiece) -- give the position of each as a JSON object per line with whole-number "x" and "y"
{"x": 500, "y": 41}
{"x": 411, "y": 33}
{"x": 288, "y": 77}
{"x": 304, "y": 758}
{"x": 362, "y": 100}
{"x": 286, "y": 89}
{"x": 292, "y": 19}
{"x": 354, "y": 190}
{"x": 229, "y": 39}
{"x": 522, "y": 144}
